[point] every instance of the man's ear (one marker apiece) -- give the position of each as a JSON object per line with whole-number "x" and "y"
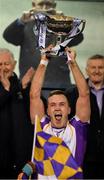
{"x": 14, "y": 64}
{"x": 69, "y": 110}
{"x": 54, "y": 5}
{"x": 86, "y": 69}
{"x": 33, "y": 4}
{"x": 47, "y": 111}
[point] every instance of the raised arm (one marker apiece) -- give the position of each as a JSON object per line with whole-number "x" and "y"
{"x": 83, "y": 101}
{"x": 36, "y": 104}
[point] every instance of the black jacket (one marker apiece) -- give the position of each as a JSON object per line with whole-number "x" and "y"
{"x": 95, "y": 146}
{"x": 16, "y": 131}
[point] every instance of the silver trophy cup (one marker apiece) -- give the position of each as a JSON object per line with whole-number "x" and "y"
{"x": 65, "y": 28}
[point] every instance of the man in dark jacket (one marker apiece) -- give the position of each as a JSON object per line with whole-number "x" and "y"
{"x": 15, "y": 127}
{"x": 94, "y": 161}
{"x": 22, "y": 32}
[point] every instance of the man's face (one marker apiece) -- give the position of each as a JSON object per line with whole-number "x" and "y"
{"x": 58, "y": 110}
{"x": 95, "y": 70}
{"x": 43, "y": 5}
{"x": 7, "y": 64}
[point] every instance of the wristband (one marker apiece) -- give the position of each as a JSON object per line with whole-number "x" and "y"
{"x": 44, "y": 62}
{"x": 27, "y": 169}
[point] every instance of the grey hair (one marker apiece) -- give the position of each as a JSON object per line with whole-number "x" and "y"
{"x": 95, "y": 57}
{"x": 5, "y": 50}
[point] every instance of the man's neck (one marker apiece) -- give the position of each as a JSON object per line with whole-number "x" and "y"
{"x": 97, "y": 85}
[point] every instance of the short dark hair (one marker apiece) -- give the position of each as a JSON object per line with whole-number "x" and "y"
{"x": 97, "y": 56}
{"x": 59, "y": 92}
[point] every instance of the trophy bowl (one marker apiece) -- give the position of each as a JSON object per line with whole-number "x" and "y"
{"x": 59, "y": 23}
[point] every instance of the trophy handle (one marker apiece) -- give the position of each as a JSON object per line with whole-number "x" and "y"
{"x": 82, "y": 22}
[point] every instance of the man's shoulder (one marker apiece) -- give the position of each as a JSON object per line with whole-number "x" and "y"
{"x": 59, "y": 13}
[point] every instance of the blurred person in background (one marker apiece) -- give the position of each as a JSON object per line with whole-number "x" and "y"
{"x": 15, "y": 127}
{"x": 94, "y": 161}
{"x": 22, "y": 32}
